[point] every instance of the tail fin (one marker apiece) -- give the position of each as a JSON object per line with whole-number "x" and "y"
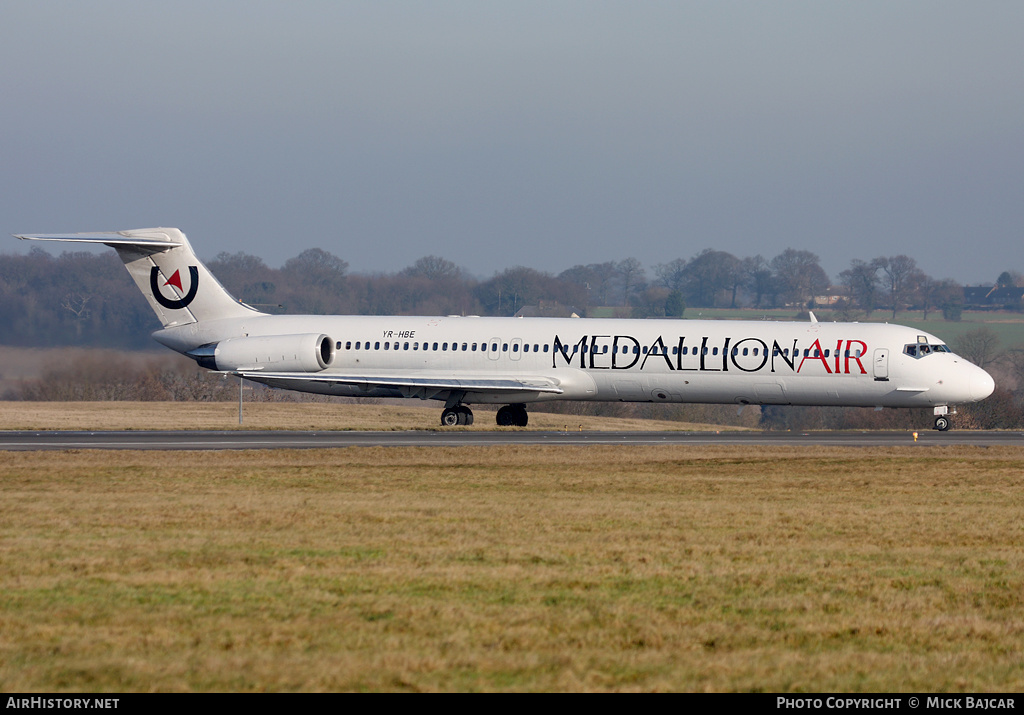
{"x": 179, "y": 288}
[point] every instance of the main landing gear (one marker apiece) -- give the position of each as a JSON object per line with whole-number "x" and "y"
{"x": 512, "y": 416}
{"x": 458, "y": 415}
{"x": 462, "y": 416}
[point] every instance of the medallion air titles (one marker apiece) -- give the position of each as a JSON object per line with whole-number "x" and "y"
{"x": 625, "y": 352}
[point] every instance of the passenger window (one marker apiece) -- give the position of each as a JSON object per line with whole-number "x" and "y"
{"x": 444, "y": 346}
{"x": 435, "y": 346}
{"x": 494, "y": 346}
{"x": 504, "y": 347}
{"x": 387, "y": 346}
{"x": 348, "y": 345}
{"x": 474, "y": 347}
{"x": 415, "y": 346}
{"x": 405, "y": 346}
{"x": 545, "y": 347}
{"x": 515, "y": 347}
{"x": 463, "y": 347}
{"x": 338, "y": 346}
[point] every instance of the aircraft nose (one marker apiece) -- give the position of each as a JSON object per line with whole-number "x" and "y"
{"x": 982, "y": 385}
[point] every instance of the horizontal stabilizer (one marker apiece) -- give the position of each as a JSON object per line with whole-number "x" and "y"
{"x": 154, "y": 240}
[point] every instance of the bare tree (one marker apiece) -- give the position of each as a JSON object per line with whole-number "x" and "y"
{"x": 433, "y": 268}
{"x": 861, "y": 279}
{"x": 902, "y": 279}
{"x": 596, "y": 278}
{"x": 78, "y": 305}
{"x": 632, "y": 276}
{"x": 934, "y": 294}
{"x": 672, "y": 275}
{"x": 758, "y": 278}
{"x": 709, "y": 272}
{"x": 799, "y": 275}
{"x": 979, "y": 346}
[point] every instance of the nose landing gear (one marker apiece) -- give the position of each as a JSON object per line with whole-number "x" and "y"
{"x": 942, "y": 423}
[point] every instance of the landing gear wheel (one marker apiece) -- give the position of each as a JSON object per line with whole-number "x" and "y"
{"x": 942, "y": 423}
{"x": 454, "y": 416}
{"x": 512, "y": 416}
{"x": 451, "y": 417}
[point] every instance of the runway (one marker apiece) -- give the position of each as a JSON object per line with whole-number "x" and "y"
{"x": 212, "y": 440}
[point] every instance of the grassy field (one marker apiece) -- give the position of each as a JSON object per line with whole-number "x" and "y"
{"x": 320, "y": 416}
{"x": 512, "y": 568}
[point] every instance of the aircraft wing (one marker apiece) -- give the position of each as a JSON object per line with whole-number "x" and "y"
{"x": 423, "y": 387}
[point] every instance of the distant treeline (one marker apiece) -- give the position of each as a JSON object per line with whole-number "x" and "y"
{"x": 88, "y": 299}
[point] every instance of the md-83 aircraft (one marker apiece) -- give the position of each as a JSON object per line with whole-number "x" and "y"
{"x": 463, "y": 361}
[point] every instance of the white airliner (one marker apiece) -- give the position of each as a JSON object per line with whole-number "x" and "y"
{"x": 515, "y": 361}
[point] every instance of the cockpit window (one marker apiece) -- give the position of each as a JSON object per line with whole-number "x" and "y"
{"x": 920, "y": 350}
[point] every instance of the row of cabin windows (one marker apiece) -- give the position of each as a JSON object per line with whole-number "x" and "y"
{"x": 636, "y": 350}
{"x": 444, "y": 347}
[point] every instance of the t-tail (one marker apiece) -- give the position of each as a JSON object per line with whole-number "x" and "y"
{"x": 179, "y": 288}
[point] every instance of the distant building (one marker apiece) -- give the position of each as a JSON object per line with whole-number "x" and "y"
{"x": 546, "y": 309}
{"x": 832, "y": 295}
{"x": 993, "y": 297}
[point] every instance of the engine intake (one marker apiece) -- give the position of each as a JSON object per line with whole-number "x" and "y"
{"x": 311, "y": 352}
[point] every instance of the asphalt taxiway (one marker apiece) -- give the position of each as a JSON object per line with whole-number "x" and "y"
{"x": 280, "y": 439}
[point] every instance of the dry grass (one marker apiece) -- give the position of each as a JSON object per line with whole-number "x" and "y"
{"x": 322, "y": 416}
{"x": 516, "y": 568}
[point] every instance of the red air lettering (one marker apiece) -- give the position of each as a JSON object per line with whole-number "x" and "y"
{"x": 850, "y": 354}
{"x": 815, "y": 347}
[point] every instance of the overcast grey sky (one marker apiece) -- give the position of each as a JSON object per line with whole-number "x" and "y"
{"x": 544, "y": 134}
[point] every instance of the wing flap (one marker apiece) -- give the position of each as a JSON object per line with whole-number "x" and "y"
{"x": 504, "y": 385}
